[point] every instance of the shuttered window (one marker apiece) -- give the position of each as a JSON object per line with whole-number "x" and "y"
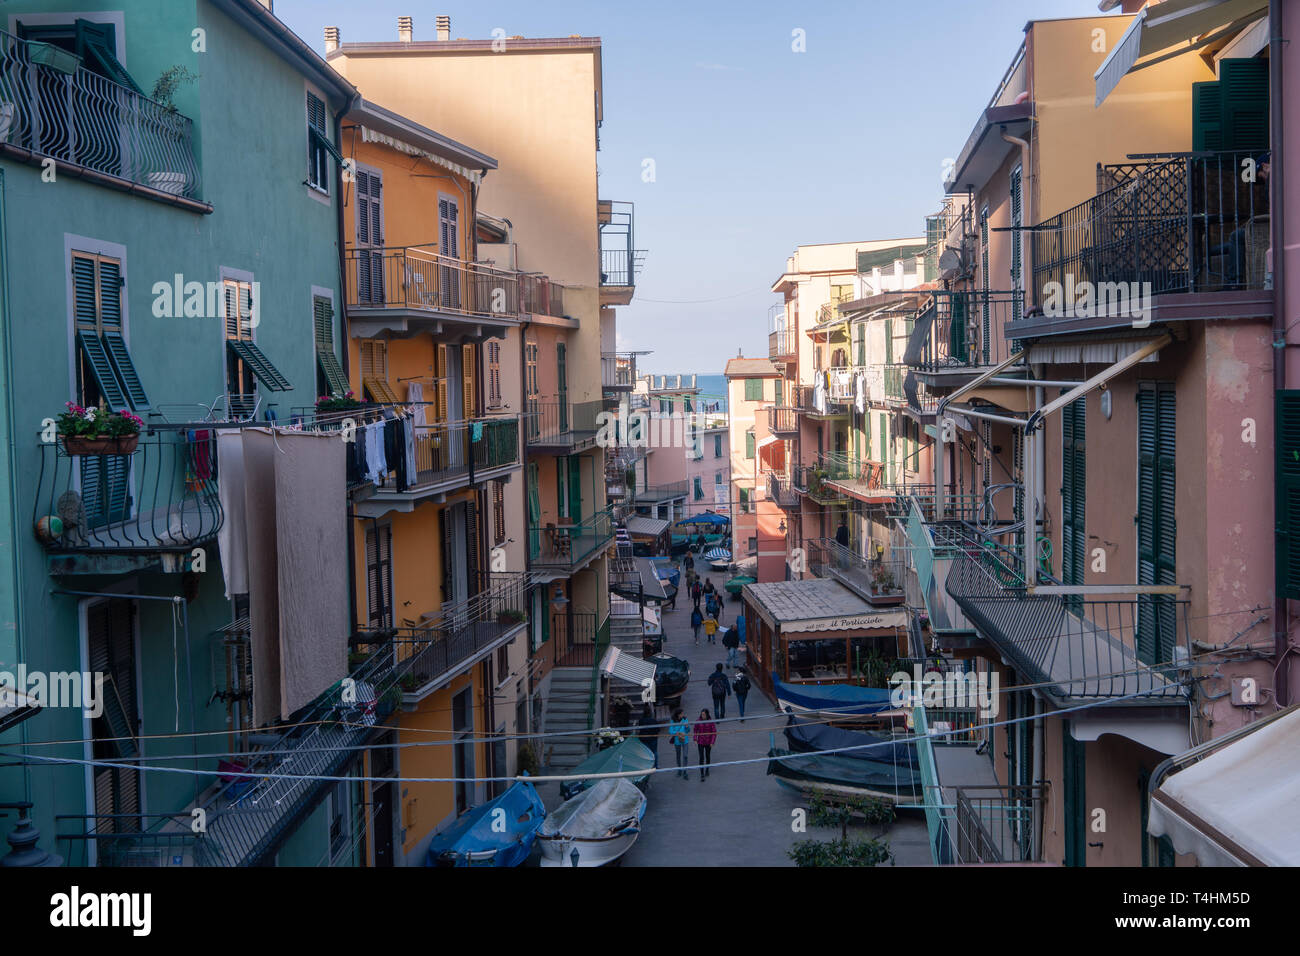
{"x": 105, "y": 371}
{"x": 369, "y": 191}
{"x": 744, "y": 501}
{"x": 498, "y": 512}
{"x": 1074, "y": 777}
{"x": 1074, "y": 474}
{"x": 374, "y": 371}
{"x": 332, "y": 377}
{"x": 379, "y": 575}
{"x": 699, "y": 488}
{"x": 1157, "y": 528}
{"x": 494, "y": 374}
{"x": 450, "y": 278}
{"x": 753, "y": 389}
{"x": 1286, "y": 497}
{"x": 749, "y": 444}
{"x": 469, "y": 385}
{"x": 1017, "y": 212}
{"x": 246, "y": 362}
{"x": 320, "y": 150}
{"x": 110, "y": 647}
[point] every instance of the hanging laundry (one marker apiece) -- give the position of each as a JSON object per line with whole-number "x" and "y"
{"x": 415, "y": 395}
{"x": 408, "y": 440}
{"x": 476, "y": 433}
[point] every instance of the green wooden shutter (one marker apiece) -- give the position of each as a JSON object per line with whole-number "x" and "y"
{"x": 1207, "y": 117}
{"x": 101, "y": 367}
{"x": 323, "y": 320}
{"x": 884, "y": 451}
{"x": 1156, "y": 520}
{"x": 1074, "y": 783}
{"x": 97, "y": 44}
{"x": 753, "y": 389}
{"x": 260, "y": 365}
{"x": 120, "y": 356}
{"x": 575, "y": 488}
{"x": 1074, "y": 473}
{"x": 1243, "y": 97}
{"x": 749, "y": 444}
{"x": 889, "y": 341}
{"x": 1286, "y": 496}
{"x": 110, "y": 294}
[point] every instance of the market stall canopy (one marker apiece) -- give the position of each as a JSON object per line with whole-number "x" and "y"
{"x": 707, "y": 517}
{"x": 818, "y": 604}
{"x": 1236, "y": 806}
{"x": 1170, "y": 29}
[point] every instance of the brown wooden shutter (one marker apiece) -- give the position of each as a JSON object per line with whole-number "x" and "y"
{"x": 442, "y": 383}
{"x": 472, "y": 547}
{"x": 445, "y": 526}
{"x": 469, "y": 357}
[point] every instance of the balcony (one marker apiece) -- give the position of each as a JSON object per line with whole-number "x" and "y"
{"x": 1078, "y": 646}
{"x": 879, "y": 582}
{"x": 620, "y": 260}
{"x": 1178, "y": 225}
{"x": 781, "y": 491}
{"x": 994, "y": 824}
{"x": 160, "y": 500}
{"x": 618, "y": 371}
{"x": 248, "y": 812}
{"x": 538, "y": 295}
{"x": 816, "y": 482}
{"x": 563, "y": 426}
{"x": 859, "y": 478}
{"x": 448, "y": 456}
{"x": 782, "y": 345}
{"x": 563, "y": 549}
{"x": 101, "y": 130}
{"x": 783, "y": 420}
{"x": 805, "y": 399}
{"x": 659, "y": 494}
{"x": 960, "y": 333}
{"x": 409, "y": 289}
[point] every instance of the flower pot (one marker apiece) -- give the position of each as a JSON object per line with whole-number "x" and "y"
{"x": 100, "y": 444}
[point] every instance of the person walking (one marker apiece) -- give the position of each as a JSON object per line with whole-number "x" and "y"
{"x": 740, "y": 626}
{"x": 689, "y": 563}
{"x": 721, "y": 689}
{"x": 697, "y": 621}
{"x": 710, "y": 628}
{"x": 647, "y": 730}
{"x": 731, "y": 641}
{"x": 740, "y": 685}
{"x": 696, "y": 592}
{"x": 679, "y": 733}
{"x": 706, "y": 734}
{"x": 842, "y": 534}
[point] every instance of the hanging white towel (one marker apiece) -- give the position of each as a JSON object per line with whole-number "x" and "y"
{"x": 376, "y": 461}
{"x": 408, "y": 439}
{"x": 415, "y": 395}
{"x": 232, "y": 537}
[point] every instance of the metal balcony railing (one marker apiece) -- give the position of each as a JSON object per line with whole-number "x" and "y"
{"x": 620, "y": 260}
{"x": 781, "y": 344}
{"x": 964, "y": 329}
{"x": 664, "y": 492}
{"x": 1077, "y": 645}
{"x": 563, "y": 424}
{"x": 782, "y": 419}
{"x": 994, "y": 824}
{"x": 538, "y": 295}
{"x": 419, "y": 278}
{"x": 87, "y": 120}
{"x": 781, "y": 491}
{"x": 875, "y": 580}
{"x": 618, "y": 370}
{"x": 161, "y": 497}
{"x": 1181, "y": 222}
{"x": 566, "y": 546}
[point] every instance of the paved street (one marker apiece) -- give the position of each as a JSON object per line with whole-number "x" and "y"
{"x": 739, "y": 816}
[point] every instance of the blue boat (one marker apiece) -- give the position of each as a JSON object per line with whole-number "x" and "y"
{"x": 831, "y": 698}
{"x": 471, "y": 841}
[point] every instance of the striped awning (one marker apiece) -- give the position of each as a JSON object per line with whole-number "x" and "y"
{"x": 626, "y": 667}
{"x": 1170, "y": 29}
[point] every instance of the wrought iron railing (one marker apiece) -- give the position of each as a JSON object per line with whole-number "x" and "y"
{"x": 87, "y": 120}
{"x": 664, "y": 492}
{"x": 566, "y": 424}
{"x": 781, "y": 343}
{"x": 994, "y": 824}
{"x": 875, "y": 580}
{"x": 1180, "y": 223}
{"x": 565, "y": 546}
{"x": 160, "y": 497}
{"x": 420, "y": 278}
{"x": 538, "y": 295}
{"x": 779, "y": 490}
{"x": 963, "y": 329}
{"x": 618, "y": 369}
{"x": 782, "y": 419}
{"x": 620, "y": 260}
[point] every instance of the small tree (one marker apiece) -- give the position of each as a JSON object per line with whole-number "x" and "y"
{"x": 824, "y": 812}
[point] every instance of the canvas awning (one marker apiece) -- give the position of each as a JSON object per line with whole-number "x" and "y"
{"x": 818, "y": 604}
{"x": 626, "y": 667}
{"x": 1236, "y": 805}
{"x": 1170, "y": 29}
{"x": 646, "y": 527}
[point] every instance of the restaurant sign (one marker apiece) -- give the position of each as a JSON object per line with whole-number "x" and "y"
{"x": 871, "y": 620}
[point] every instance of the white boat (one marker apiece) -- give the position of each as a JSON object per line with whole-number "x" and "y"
{"x": 601, "y": 823}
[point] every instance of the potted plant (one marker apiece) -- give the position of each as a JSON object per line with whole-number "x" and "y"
{"x": 510, "y": 616}
{"x": 163, "y": 93}
{"x": 338, "y": 403}
{"x": 98, "y": 431}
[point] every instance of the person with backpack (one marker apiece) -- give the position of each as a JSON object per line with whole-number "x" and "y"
{"x": 710, "y": 628}
{"x": 741, "y": 687}
{"x": 731, "y": 641}
{"x": 706, "y": 735}
{"x": 696, "y": 592}
{"x": 697, "y": 621}
{"x": 647, "y": 730}
{"x": 679, "y": 732}
{"x": 721, "y": 688}
{"x": 689, "y": 563}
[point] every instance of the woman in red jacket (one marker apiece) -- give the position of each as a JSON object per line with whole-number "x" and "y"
{"x": 705, "y": 733}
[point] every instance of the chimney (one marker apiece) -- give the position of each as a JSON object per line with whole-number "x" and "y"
{"x": 331, "y": 39}
{"x": 444, "y": 27}
{"x": 404, "y": 27}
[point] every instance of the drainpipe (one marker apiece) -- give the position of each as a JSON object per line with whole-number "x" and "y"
{"x": 1277, "y": 174}
{"x": 1026, "y": 203}
{"x": 345, "y": 338}
{"x": 1040, "y": 750}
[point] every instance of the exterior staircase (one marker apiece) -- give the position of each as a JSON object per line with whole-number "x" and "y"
{"x": 566, "y": 711}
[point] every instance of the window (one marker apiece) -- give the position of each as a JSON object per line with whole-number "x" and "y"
{"x": 753, "y": 389}
{"x": 110, "y": 650}
{"x": 330, "y": 380}
{"x": 717, "y": 478}
{"x": 1074, "y": 474}
{"x": 367, "y": 193}
{"x": 462, "y": 725}
{"x": 753, "y": 544}
{"x": 1157, "y": 625}
{"x": 337, "y": 813}
{"x": 744, "y": 501}
{"x": 246, "y": 365}
{"x": 379, "y": 575}
{"x": 749, "y": 444}
{"x": 498, "y": 512}
{"x": 95, "y": 43}
{"x": 494, "y": 374}
{"x": 776, "y": 391}
{"x": 717, "y": 446}
{"x": 104, "y": 370}
{"x": 503, "y": 666}
{"x": 699, "y": 488}
{"x": 687, "y": 405}
{"x": 449, "y": 277}
{"x": 374, "y": 371}
{"x": 319, "y": 148}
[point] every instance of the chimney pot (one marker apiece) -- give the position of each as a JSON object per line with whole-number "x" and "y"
{"x": 444, "y": 27}
{"x": 331, "y": 39}
{"x": 404, "y": 28}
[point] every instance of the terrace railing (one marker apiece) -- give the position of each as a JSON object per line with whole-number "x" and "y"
{"x": 538, "y": 295}
{"x": 568, "y": 424}
{"x": 556, "y": 546}
{"x": 781, "y": 344}
{"x": 779, "y": 490}
{"x": 160, "y": 497}
{"x": 963, "y": 329}
{"x": 1181, "y": 222}
{"x": 420, "y": 278}
{"x": 874, "y": 580}
{"x": 87, "y": 120}
{"x": 993, "y": 824}
{"x": 620, "y": 260}
{"x": 618, "y": 369}
{"x": 782, "y": 419}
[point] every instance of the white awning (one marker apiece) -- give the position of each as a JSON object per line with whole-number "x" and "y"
{"x": 626, "y": 667}
{"x": 1170, "y": 29}
{"x": 1236, "y": 806}
{"x": 764, "y": 442}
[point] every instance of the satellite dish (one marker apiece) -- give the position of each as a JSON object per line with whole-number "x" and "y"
{"x": 950, "y": 261}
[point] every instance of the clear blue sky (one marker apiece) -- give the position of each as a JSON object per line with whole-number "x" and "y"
{"x": 757, "y": 148}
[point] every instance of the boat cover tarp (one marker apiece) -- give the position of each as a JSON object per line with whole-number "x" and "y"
{"x": 631, "y": 754}
{"x": 473, "y": 832}
{"x": 610, "y": 806}
{"x": 844, "y": 698}
{"x": 836, "y": 770}
{"x": 805, "y": 736}
{"x": 672, "y": 674}
{"x": 708, "y": 517}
